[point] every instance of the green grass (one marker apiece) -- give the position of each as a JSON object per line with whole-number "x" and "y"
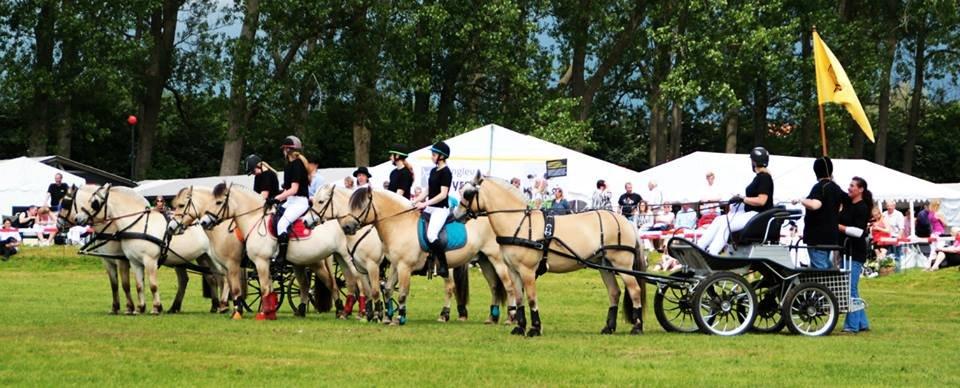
{"x": 54, "y": 330}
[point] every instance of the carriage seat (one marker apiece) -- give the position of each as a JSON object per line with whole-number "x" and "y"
{"x": 767, "y": 223}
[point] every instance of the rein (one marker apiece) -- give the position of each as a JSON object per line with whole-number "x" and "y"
{"x": 376, "y": 214}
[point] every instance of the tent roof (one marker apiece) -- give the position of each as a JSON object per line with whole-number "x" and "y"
{"x": 25, "y": 182}
{"x": 92, "y": 174}
{"x": 170, "y": 187}
{"x": 683, "y": 179}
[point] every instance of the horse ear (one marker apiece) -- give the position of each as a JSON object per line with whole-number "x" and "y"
{"x": 479, "y": 178}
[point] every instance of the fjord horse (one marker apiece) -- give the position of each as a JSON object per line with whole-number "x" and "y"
{"x": 397, "y": 222}
{"x": 570, "y": 243}
{"x": 332, "y": 203}
{"x": 143, "y": 242}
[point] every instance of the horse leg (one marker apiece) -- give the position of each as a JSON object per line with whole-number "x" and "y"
{"x": 517, "y": 301}
{"x": 301, "y": 274}
{"x": 234, "y": 281}
{"x": 403, "y": 274}
{"x": 124, "y": 269}
{"x": 138, "y": 278}
{"x": 613, "y": 291}
{"x": 371, "y": 284}
{"x": 111, "y": 269}
{"x": 268, "y": 300}
{"x": 182, "y": 280}
{"x": 387, "y": 292}
{"x": 529, "y": 277}
{"x": 150, "y": 265}
{"x": 637, "y": 296}
{"x": 448, "y": 285}
{"x": 351, "y": 284}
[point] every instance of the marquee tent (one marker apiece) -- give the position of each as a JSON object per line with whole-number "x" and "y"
{"x": 500, "y": 152}
{"x": 25, "y": 182}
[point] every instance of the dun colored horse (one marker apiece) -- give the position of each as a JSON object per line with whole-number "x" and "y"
{"x": 332, "y": 203}
{"x": 532, "y": 243}
{"x": 396, "y": 221}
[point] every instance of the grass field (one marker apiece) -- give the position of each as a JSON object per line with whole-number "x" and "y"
{"x": 54, "y": 331}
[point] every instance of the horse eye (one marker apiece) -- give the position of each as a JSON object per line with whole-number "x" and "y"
{"x": 219, "y": 202}
{"x": 179, "y": 206}
{"x": 95, "y": 205}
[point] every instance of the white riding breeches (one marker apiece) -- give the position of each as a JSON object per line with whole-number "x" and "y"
{"x": 438, "y": 215}
{"x": 294, "y": 207}
{"x": 717, "y": 234}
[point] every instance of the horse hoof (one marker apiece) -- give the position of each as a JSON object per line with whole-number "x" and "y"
{"x": 236, "y": 316}
{"x": 223, "y": 310}
{"x": 462, "y": 319}
{"x": 261, "y": 316}
{"x": 489, "y": 321}
{"x": 533, "y": 332}
{"x": 141, "y": 309}
{"x": 636, "y": 331}
{"x": 607, "y": 330}
{"x": 517, "y": 331}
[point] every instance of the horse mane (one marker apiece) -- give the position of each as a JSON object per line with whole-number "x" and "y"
{"x": 219, "y": 189}
{"x": 358, "y": 197}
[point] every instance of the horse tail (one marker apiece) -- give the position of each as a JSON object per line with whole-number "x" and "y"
{"x": 496, "y": 285}
{"x": 324, "y": 296}
{"x": 461, "y": 280}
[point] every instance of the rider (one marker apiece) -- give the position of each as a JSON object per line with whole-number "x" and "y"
{"x": 436, "y": 203}
{"x": 295, "y": 191}
{"x": 823, "y": 209}
{"x": 401, "y": 178}
{"x": 759, "y": 197}
{"x": 265, "y": 178}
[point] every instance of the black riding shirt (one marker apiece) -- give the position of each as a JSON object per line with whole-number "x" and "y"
{"x": 820, "y": 226}
{"x": 267, "y": 181}
{"x": 401, "y": 179}
{"x": 439, "y": 177}
{"x": 296, "y": 172}
{"x": 762, "y": 184}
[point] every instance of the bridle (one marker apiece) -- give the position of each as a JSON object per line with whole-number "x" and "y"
{"x": 190, "y": 205}
{"x": 376, "y": 214}
{"x": 223, "y": 212}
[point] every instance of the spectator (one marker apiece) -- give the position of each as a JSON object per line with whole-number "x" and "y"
{"x": 628, "y": 202}
{"x": 686, "y": 218}
{"x": 265, "y": 179}
{"x": 560, "y": 205}
{"x": 947, "y": 256}
{"x": 654, "y": 195}
{"x": 316, "y": 180}
{"x": 516, "y": 183}
{"x": 644, "y": 216}
{"x": 895, "y": 223}
{"x": 27, "y": 218}
{"x": 601, "y": 197}
{"x": 363, "y": 176}
{"x": 938, "y": 224}
{"x": 46, "y": 226}
{"x": 160, "y": 205}
{"x": 879, "y": 230}
{"x": 662, "y": 218}
{"x": 417, "y": 191}
{"x": 9, "y": 239}
{"x": 539, "y": 194}
{"x": 711, "y": 194}
{"x": 56, "y": 191}
{"x": 348, "y": 183}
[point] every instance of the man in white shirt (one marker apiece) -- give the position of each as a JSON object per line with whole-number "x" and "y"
{"x": 654, "y": 196}
{"x": 894, "y": 220}
{"x": 711, "y": 194}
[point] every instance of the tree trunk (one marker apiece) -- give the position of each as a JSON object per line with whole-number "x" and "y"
{"x": 578, "y": 42}
{"x": 64, "y": 127}
{"x": 451, "y": 72}
{"x": 38, "y": 119}
{"x": 760, "y": 104}
{"x": 620, "y": 43}
{"x": 807, "y": 96}
{"x": 676, "y": 131}
{"x": 857, "y": 140}
{"x": 163, "y": 28}
{"x": 733, "y": 126}
{"x": 913, "y": 121}
{"x": 421, "y": 96}
{"x": 237, "y": 119}
{"x": 304, "y": 97}
{"x": 883, "y": 119}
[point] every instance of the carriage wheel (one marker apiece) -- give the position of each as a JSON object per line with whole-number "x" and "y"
{"x": 769, "y": 319}
{"x": 254, "y": 299}
{"x": 724, "y": 304}
{"x": 673, "y": 307}
{"x": 293, "y": 290}
{"x": 810, "y": 309}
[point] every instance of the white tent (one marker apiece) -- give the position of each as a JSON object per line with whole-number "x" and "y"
{"x": 500, "y": 152}
{"x": 683, "y": 179}
{"x": 25, "y": 182}
{"x": 170, "y": 187}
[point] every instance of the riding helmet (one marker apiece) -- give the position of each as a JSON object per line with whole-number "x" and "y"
{"x": 251, "y": 162}
{"x": 292, "y": 142}
{"x": 760, "y": 157}
{"x": 398, "y": 150}
{"x": 823, "y": 167}
{"x": 441, "y": 148}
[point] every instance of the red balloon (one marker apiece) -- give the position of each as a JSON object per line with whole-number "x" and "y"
{"x": 132, "y": 120}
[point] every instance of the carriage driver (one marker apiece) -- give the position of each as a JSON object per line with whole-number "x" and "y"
{"x": 759, "y": 197}
{"x": 295, "y": 191}
{"x": 436, "y": 203}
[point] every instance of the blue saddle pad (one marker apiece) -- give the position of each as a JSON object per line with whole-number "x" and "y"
{"x": 453, "y": 234}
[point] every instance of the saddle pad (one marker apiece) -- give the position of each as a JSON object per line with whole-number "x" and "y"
{"x": 299, "y": 231}
{"x": 453, "y": 234}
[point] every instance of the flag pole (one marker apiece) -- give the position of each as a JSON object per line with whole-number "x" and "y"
{"x": 823, "y": 131}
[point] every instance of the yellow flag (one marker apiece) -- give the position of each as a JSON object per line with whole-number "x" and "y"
{"x": 834, "y": 86}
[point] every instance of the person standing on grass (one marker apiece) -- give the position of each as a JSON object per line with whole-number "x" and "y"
{"x": 853, "y": 224}
{"x": 9, "y": 240}
{"x": 628, "y": 202}
{"x": 821, "y": 218}
{"x": 56, "y": 191}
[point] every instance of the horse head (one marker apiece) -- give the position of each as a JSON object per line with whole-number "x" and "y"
{"x": 90, "y": 204}
{"x": 187, "y": 207}
{"x": 325, "y": 206}
{"x": 469, "y": 206}
{"x": 361, "y": 207}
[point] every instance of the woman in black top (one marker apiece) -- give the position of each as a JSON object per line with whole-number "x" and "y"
{"x": 401, "y": 178}
{"x": 759, "y": 197}
{"x": 853, "y": 225}
{"x": 295, "y": 191}
{"x": 822, "y": 209}
{"x": 436, "y": 203}
{"x": 265, "y": 180}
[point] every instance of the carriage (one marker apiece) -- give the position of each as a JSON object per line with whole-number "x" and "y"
{"x": 712, "y": 294}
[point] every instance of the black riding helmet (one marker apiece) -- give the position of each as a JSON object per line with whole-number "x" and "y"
{"x": 251, "y": 162}
{"x": 823, "y": 167}
{"x": 760, "y": 157}
{"x": 442, "y": 149}
{"x": 398, "y": 150}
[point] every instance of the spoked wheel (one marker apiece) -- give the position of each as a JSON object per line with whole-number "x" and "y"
{"x": 292, "y": 288}
{"x": 810, "y": 309}
{"x": 724, "y": 304}
{"x": 254, "y": 298}
{"x": 673, "y": 306}
{"x": 769, "y": 319}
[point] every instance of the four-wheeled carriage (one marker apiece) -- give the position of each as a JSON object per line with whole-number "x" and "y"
{"x": 712, "y": 294}
{"x": 286, "y": 287}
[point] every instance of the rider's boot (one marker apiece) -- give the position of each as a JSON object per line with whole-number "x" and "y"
{"x": 283, "y": 239}
{"x": 438, "y": 250}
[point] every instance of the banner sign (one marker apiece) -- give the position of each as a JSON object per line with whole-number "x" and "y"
{"x": 556, "y": 168}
